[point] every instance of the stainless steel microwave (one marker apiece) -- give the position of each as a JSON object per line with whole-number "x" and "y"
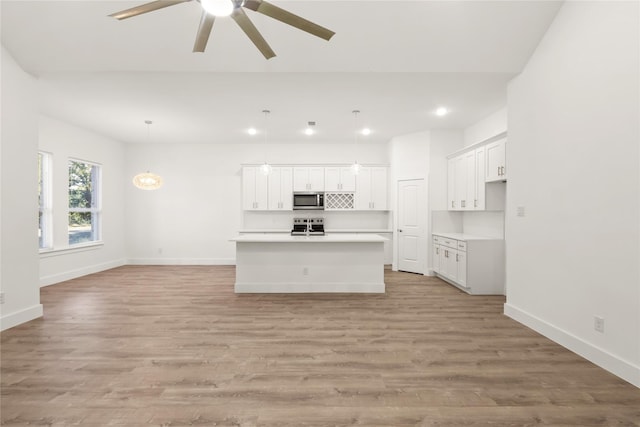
{"x": 308, "y": 200}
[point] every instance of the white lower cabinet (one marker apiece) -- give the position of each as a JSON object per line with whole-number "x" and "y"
{"x": 471, "y": 263}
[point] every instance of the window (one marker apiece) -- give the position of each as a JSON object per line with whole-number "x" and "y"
{"x": 44, "y": 201}
{"x": 84, "y": 202}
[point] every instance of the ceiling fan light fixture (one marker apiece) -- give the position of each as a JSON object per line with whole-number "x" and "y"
{"x": 217, "y": 7}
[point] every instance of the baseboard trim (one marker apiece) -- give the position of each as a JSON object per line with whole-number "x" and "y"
{"x": 181, "y": 261}
{"x": 79, "y": 272}
{"x": 20, "y": 317}
{"x": 617, "y": 366}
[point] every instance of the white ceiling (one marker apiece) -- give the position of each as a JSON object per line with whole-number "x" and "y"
{"x": 396, "y": 61}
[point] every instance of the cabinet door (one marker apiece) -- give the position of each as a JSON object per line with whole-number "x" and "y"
{"x": 452, "y": 264}
{"x": 461, "y": 183}
{"x": 379, "y": 188}
{"x": 280, "y": 189}
{"x": 479, "y": 197}
{"x": 301, "y": 179}
{"x": 451, "y": 185}
{"x": 436, "y": 258}
{"x": 332, "y": 179}
{"x": 461, "y": 268}
{"x": 496, "y": 169}
{"x": 286, "y": 189}
{"x": 470, "y": 183}
{"x": 347, "y": 180}
{"x": 316, "y": 179}
{"x": 254, "y": 189}
{"x": 363, "y": 189}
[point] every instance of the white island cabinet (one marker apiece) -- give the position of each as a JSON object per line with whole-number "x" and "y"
{"x": 281, "y": 263}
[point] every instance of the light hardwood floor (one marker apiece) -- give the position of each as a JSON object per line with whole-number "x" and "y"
{"x": 174, "y": 346}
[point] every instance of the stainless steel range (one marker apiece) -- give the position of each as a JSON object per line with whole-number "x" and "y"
{"x": 308, "y": 227}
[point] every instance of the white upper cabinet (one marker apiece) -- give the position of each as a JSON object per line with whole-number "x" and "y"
{"x": 479, "y": 185}
{"x": 468, "y": 174}
{"x": 308, "y": 178}
{"x": 496, "y": 165}
{"x": 281, "y": 189}
{"x": 371, "y": 188}
{"x": 254, "y": 189}
{"x": 338, "y": 178}
{"x": 451, "y": 185}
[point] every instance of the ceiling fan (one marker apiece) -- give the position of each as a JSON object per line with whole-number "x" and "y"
{"x": 234, "y": 8}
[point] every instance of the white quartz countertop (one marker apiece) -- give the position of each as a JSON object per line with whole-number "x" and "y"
{"x": 463, "y": 236}
{"x": 327, "y": 238}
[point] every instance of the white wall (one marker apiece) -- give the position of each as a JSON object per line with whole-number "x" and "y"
{"x": 487, "y": 128}
{"x": 574, "y": 162}
{"x": 19, "y": 194}
{"x": 64, "y": 141}
{"x": 192, "y": 217}
{"x": 409, "y": 156}
{"x": 423, "y": 155}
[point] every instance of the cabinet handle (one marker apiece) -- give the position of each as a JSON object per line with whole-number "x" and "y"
{"x": 502, "y": 170}
{"x": 463, "y": 203}
{"x": 498, "y": 170}
{"x": 475, "y": 203}
{"x": 437, "y": 251}
{"x": 457, "y": 258}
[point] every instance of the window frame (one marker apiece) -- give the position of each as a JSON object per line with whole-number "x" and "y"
{"x": 96, "y": 201}
{"x": 45, "y": 201}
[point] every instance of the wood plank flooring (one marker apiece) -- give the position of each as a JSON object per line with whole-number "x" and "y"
{"x": 174, "y": 346}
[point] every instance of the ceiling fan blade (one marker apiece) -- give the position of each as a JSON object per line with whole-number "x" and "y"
{"x": 251, "y": 31}
{"x": 289, "y": 18}
{"x": 204, "y": 30}
{"x": 144, "y": 8}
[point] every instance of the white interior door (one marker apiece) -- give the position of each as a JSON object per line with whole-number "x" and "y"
{"x": 411, "y": 234}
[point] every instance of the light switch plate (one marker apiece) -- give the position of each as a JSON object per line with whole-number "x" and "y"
{"x": 520, "y": 211}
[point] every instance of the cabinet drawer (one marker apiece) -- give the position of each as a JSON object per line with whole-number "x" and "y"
{"x": 450, "y": 243}
{"x": 462, "y": 245}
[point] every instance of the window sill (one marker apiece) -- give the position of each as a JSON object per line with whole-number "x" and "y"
{"x": 83, "y": 247}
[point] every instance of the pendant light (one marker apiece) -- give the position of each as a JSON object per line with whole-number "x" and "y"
{"x": 147, "y": 180}
{"x": 355, "y": 167}
{"x": 266, "y": 168}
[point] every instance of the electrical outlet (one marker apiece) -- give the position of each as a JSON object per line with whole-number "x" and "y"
{"x": 520, "y": 211}
{"x": 598, "y": 323}
{"x": 305, "y": 271}
{"x": 1, "y": 297}
{"x": 159, "y": 251}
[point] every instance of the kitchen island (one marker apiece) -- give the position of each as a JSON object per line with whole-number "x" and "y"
{"x": 281, "y": 263}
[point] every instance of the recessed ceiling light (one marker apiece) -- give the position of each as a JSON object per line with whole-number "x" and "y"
{"x": 308, "y": 131}
{"x": 366, "y": 131}
{"x": 441, "y": 111}
{"x": 252, "y": 131}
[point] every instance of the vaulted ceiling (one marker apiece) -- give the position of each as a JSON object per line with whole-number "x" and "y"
{"x": 396, "y": 61}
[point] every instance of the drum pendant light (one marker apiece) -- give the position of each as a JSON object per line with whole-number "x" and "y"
{"x": 147, "y": 180}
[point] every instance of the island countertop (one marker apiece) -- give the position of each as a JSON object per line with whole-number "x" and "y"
{"x": 327, "y": 238}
